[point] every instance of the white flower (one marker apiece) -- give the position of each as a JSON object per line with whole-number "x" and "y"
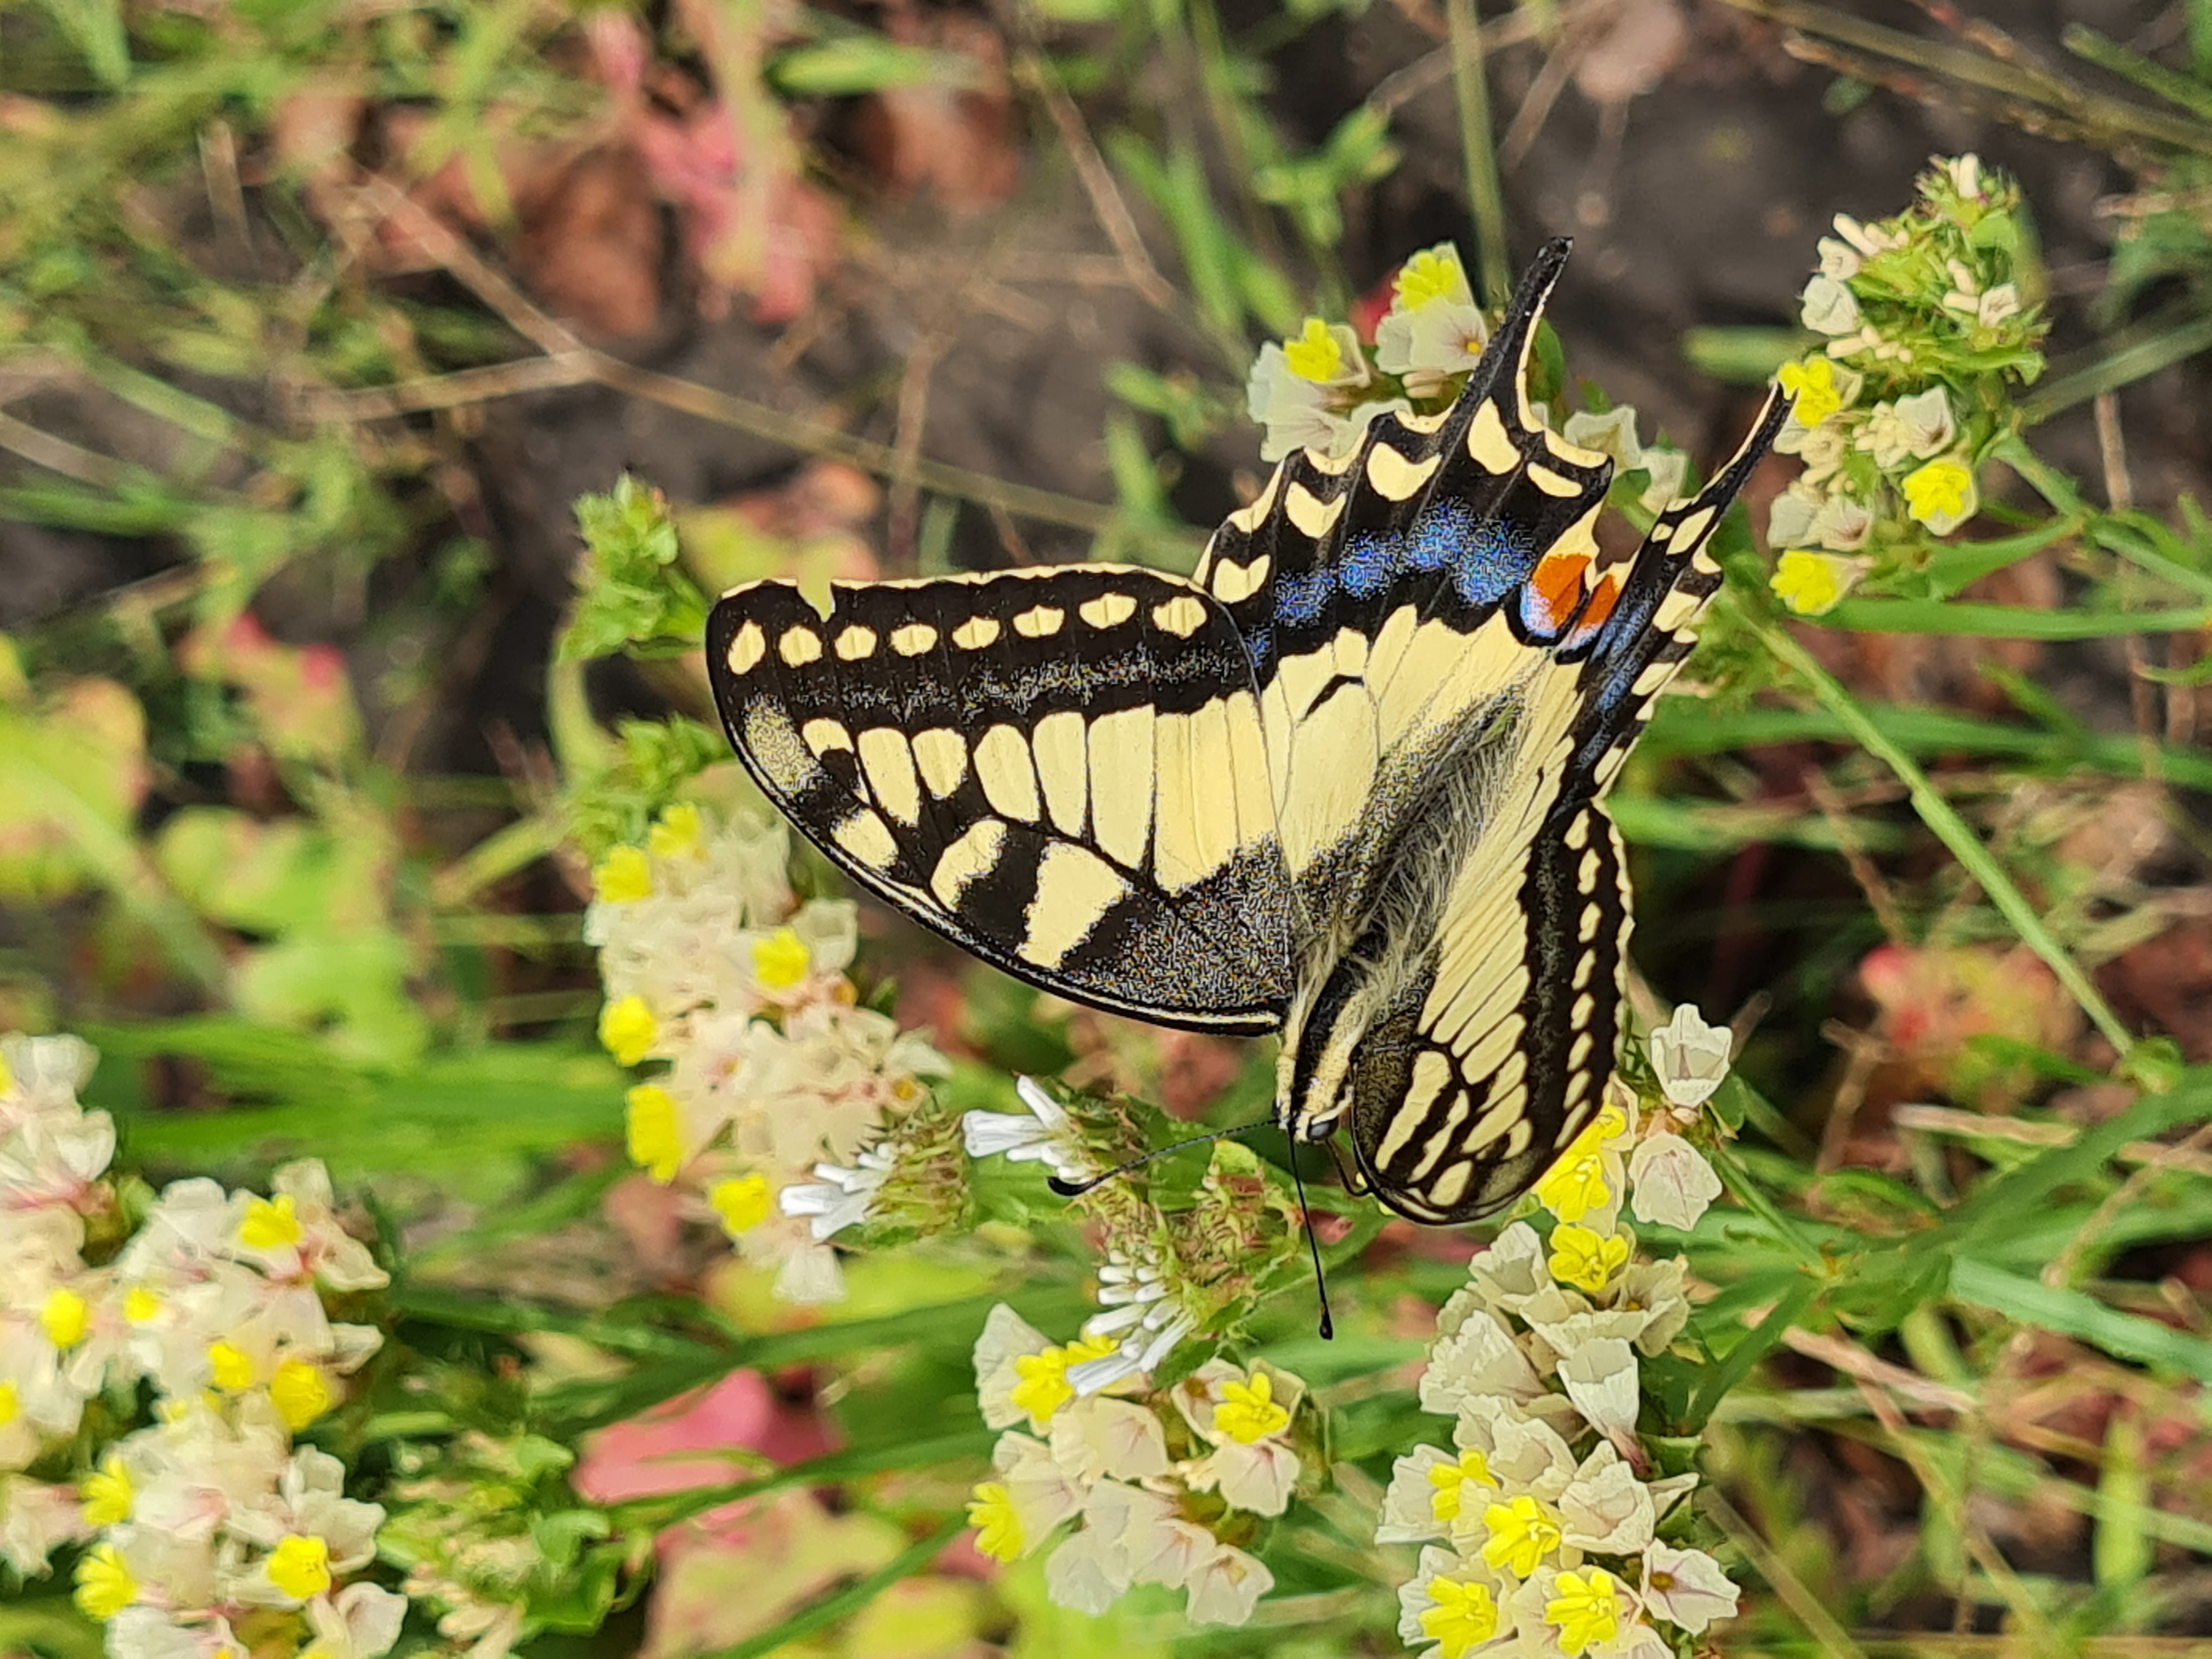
{"x": 1409, "y": 1503}
{"x": 1666, "y": 468}
{"x": 1655, "y": 1287}
{"x": 1690, "y": 1056}
{"x": 1478, "y": 1360}
{"x": 1500, "y": 1277}
{"x": 1600, "y": 1378}
{"x": 1670, "y": 1181}
{"x": 1418, "y": 1603}
{"x": 1122, "y": 1524}
{"x": 1789, "y": 520}
{"x": 1965, "y": 175}
{"x": 1687, "y": 1588}
{"x": 361, "y": 1621}
{"x": 809, "y": 1275}
{"x": 1868, "y": 240}
{"x": 1225, "y": 1587}
{"x": 1829, "y": 307}
{"x": 1428, "y": 346}
{"x": 1247, "y": 1420}
{"x": 35, "y": 1518}
{"x": 1613, "y": 433}
{"x": 1525, "y": 1453}
{"x": 841, "y": 1196}
{"x": 1039, "y": 1489}
{"x": 1920, "y": 426}
{"x": 1606, "y": 1509}
{"x": 1006, "y": 1338}
{"x": 1842, "y": 524}
{"x": 149, "y": 1632}
{"x": 1999, "y": 303}
{"x": 1047, "y": 1136}
{"x": 1839, "y": 259}
{"x": 1094, "y": 1437}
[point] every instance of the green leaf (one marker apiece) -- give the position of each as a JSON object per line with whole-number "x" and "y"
{"x": 2076, "y": 1314}
{"x": 856, "y": 64}
{"x": 2004, "y": 621}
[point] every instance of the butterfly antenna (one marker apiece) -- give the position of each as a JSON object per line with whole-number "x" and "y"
{"x": 1077, "y": 1188}
{"x": 1313, "y": 1243}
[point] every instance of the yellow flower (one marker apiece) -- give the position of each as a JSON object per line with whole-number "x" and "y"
{"x": 270, "y": 1223}
{"x": 1431, "y": 275}
{"x": 743, "y": 1202}
{"x": 230, "y": 1366}
{"x": 65, "y": 1317}
{"x": 1941, "y": 494}
{"x": 1521, "y": 1534}
{"x": 998, "y": 1528}
{"x": 1811, "y": 583}
{"x": 141, "y": 1305}
{"x": 1812, "y": 386}
{"x": 1247, "y": 1413}
{"x": 780, "y": 960}
{"x": 622, "y": 878}
{"x": 1586, "y": 1609}
{"x": 1586, "y": 1259}
{"x": 11, "y": 1404}
{"x": 6, "y": 1078}
{"x": 107, "y": 1494}
{"x": 300, "y": 1393}
{"x": 677, "y": 834}
{"x": 1451, "y": 1480}
{"x": 1576, "y": 1185}
{"x": 1044, "y": 1387}
{"x": 652, "y": 1130}
{"x": 103, "y": 1585}
{"x": 300, "y": 1566}
{"x": 1315, "y": 354}
{"x": 1464, "y": 1617}
{"x": 628, "y": 1029}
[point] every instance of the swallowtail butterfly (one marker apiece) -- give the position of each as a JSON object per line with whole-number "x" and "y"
{"x": 1344, "y": 782}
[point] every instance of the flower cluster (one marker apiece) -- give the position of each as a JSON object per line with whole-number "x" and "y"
{"x": 1927, "y": 327}
{"x": 1544, "y": 1530}
{"x": 1321, "y": 390}
{"x": 210, "y": 1519}
{"x": 1168, "y": 1274}
{"x": 783, "y": 1106}
{"x": 1162, "y": 1487}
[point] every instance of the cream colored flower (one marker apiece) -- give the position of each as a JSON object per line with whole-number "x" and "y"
{"x": 1600, "y": 1378}
{"x": 1687, "y": 1588}
{"x": 1670, "y": 1182}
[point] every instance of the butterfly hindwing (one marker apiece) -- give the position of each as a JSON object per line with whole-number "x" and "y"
{"x": 1061, "y": 770}
{"x": 1504, "y": 1044}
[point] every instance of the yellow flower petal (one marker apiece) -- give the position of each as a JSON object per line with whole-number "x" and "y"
{"x": 300, "y": 1566}
{"x": 678, "y": 833}
{"x": 628, "y": 1029}
{"x": 1247, "y": 1413}
{"x": 107, "y": 1494}
{"x": 997, "y": 1527}
{"x": 103, "y": 1585}
{"x": 743, "y": 1202}
{"x": 64, "y": 1317}
{"x": 780, "y": 961}
{"x": 1465, "y": 1616}
{"x": 622, "y": 878}
{"x": 1315, "y": 354}
{"x": 652, "y": 1131}
{"x": 300, "y": 1394}
{"x": 270, "y": 1224}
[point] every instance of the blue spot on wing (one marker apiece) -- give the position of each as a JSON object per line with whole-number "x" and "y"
{"x": 1369, "y": 563}
{"x": 1299, "y": 599}
{"x": 1486, "y": 558}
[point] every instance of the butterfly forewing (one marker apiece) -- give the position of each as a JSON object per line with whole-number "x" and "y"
{"x": 1060, "y": 770}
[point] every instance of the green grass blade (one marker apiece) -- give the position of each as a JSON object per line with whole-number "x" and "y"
{"x": 1954, "y": 831}
{"x": 2079, "y": 1315}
